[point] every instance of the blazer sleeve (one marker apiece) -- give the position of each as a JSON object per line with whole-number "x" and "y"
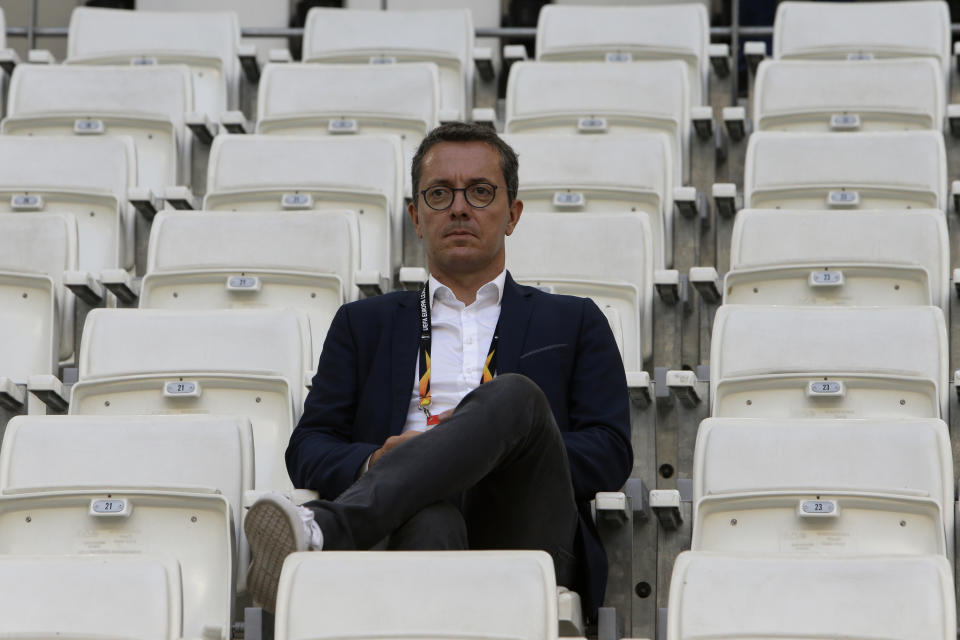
{"x": 598, "y": 440}
{"x": 322, "y": 454}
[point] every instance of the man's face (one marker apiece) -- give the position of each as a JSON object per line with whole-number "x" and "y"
{"x": 462, "y": 238}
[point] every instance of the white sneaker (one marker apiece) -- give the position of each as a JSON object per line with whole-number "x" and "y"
{"x": 275, "y": 528}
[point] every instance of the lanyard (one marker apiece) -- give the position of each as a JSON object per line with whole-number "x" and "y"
{"x": 426, "y": 332}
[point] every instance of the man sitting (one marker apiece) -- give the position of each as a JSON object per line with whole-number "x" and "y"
{"x": 477, "y": 413}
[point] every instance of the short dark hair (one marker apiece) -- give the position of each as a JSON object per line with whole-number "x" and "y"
{"x": 469, "y": 132}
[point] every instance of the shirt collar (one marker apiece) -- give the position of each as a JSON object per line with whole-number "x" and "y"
{"x": 493, "y": 288}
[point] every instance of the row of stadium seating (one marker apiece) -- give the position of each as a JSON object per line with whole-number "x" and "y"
{"x": 824, "y": 476}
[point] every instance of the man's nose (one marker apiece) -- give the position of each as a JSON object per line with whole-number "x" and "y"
{"x": 460, "y": 206}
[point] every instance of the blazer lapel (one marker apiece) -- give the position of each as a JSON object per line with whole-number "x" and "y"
{"x": 515, "y": 309}
{"x": 406, "y": 335}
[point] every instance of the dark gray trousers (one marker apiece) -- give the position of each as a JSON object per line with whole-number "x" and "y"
{"x": 494, "y": 475}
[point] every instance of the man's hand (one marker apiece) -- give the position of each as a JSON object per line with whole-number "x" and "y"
{"x": 392, "y": 441}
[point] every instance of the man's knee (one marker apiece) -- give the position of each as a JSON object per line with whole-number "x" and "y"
{"x": 436, "y": 527}
{"x": 517, "y": 389}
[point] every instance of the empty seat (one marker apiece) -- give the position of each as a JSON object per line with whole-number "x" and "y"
{"x": 86, "y": 178}
{"x": 36, "y": 314}
{"x": 207, "y": 42}
{"x": 839, "y": 258}
{"x": 715, "y": 595}
{"x": 196, "y": 528}
{"x": 596, "y": 97}
{"x": 614, "y": 173}
{"x": 871, "y": 95}
{"x": 243, "y": 362}
{"x": 92, "y": 596}
{"x": 314, "y": 99}
{"x": 603, "y": 256}
{"x": 864, "y": 29}
{"x": 147, "y": 103}
{"x": 441, "y": 37}
{"x": 361, "y": 173}
{"x": 864, "y": 170}
{"x": 175, "y": 454}
{"x": 251, "y": 259}
{"x": 471, "y": 595}
{"x": 829, "y": 362}
{"x": 821, "y": 486}
{"x": 624, "y": 34}
{"x": 252, "y": 13}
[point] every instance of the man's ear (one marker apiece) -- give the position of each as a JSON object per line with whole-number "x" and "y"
{"x": 414, "y": 217}
{"x": 514, "y": 215}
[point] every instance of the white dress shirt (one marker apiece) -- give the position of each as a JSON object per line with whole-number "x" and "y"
{"x": 460, "y": 342}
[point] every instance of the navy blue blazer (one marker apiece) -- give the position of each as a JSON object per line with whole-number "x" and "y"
{"x": 361, "y": 394}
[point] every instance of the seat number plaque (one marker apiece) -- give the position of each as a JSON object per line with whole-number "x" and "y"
{"x": 817, "y": 508}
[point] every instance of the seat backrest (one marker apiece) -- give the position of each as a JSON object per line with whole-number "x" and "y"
{"x": 362, "y": 173}
{"x": 244, "y": 362}
{"x": 195, "y": 528}
{"x": 92, "y": 596}
{"x": 129, "y": 342}
{"x": 613, "y": 173}
{"x": 254, "y": 259}
{"x": 603, "y": 256}
{"x": 885, "y": 170}
{"x": 624, "y": 34}
{"x": 35, "y": 312}
{"x": 879, "y": 29}
{"x": 147, "y": 103}
{"x": 84, "y": 177}
{"x": 823, "y": 486}
{"x": 172, "y": 452}
{"x": 443, "y": 37}
{"x": 207, "y": 42}
{"x": 805, "y": 257}
{"x": 751, "y": 595}
{"x": 871, "y": 95}
{"x": 319, "y": 99}
{"x": 252, "y": 13}
{"x": 771, "y": 361}
{"x": 469, "y": 595}
{"x": 595, "y": 97}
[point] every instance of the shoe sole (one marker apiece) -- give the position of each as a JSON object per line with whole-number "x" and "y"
{"x": 271, "y": 533}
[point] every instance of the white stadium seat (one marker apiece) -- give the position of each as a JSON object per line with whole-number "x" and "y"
{"x": 597, "y": 97}
{"x": 613, "y": 173}
{"x": 175, "y": 454}
{"x": 830, "y": 362}
{"x": 807, "y": 257}
{"x": 716, "y": 595}
{"x": 603, "y": 256}
{"x": 207, "y": 42}
{"x": 625, "y": 34}
{"x": 36, "y": 314}
{"x": 196, "y": 528}
{"x": 325, "y": 99}
{"x": 878, "y": 29}
{"x": 86, "y": 178}
{"x": 147, "y": 103}
{"x": 362, "y": 173}
{"x": 442, "y": 37}
{"x": 468, "y": 595}
{"x": 91, "y": 596}
{"x": 252, "y": 13}
{"x": 864, "y": 170}
{"x": 253, "y": 259}
{"x": 839, "y": 487}
{"x": 845, "y": 96}
{"x": 244, "y": 362}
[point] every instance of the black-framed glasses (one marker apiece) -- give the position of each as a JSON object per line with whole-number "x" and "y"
{"x": 477, "y": 195}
